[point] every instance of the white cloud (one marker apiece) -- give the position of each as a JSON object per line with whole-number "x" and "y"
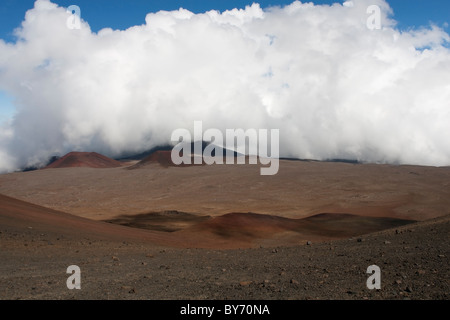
{"x": 334, "y": 88}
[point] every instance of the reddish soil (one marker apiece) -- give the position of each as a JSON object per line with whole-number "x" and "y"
{"x": 161, "y": 157}
{"x": 38, "y": 244}
{"x": 179, "y": 229}
{"x": 299, "y": 190}
{"x": 84, "y": 159}
{"x": 318, "y": 227}
{"x": 226, "y": 232}
{"x": 22, "y": 216}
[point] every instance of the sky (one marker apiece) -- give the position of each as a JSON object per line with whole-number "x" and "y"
{"x": 316, "y": 71}
{"x": 121, "y": 14}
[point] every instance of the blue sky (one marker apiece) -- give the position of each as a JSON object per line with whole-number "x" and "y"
{"x": 120, "y": 14}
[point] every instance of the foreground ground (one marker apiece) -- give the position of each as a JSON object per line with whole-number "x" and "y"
{"x": 225, "y": 232}
{"x": 414, "y": 262}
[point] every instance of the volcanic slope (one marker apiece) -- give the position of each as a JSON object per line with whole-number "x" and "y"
{"x": 84, "y": 159}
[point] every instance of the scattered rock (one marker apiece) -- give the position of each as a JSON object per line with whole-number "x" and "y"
{"x": 387, "y": 242}
{"x": 408, "y": 289}
{"x": 293, "y": 281}
{"x": 274, "y": 251}
{"x": 245, "y": 283}
{"x": 150, "y": 256}
{"x": 128, "y": 288}
{"x": 359, "y": 240}
{"x": 421, "y": 272}
{"x": 115, "y": 258}
{"x": 308, "y": 243}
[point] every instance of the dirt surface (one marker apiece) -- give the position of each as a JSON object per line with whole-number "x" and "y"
{"x": 157, "y": 232}
{"x": 414, "y": 263}
{"x": 84, "y": 159}
{"x": 300, "y": 189}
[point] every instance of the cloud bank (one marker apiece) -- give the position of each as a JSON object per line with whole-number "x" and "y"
{"x": 334, "y": 88}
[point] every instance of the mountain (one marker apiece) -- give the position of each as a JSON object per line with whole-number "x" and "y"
{"x": 84, "y": 159}
{"x": 162, "y": 155}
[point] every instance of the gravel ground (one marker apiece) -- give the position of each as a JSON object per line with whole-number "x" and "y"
{"x": 414, "y": 263}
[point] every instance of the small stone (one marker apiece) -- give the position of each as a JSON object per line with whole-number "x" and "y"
{"x": 441, "y": 256}
{"x": 224, "y": 270}
{"x": 421, "y": 272}
{"x": 359, "y": 240}
{"x": 150, "y": 256}
{"x": 293, "y": 281}
{"x": 245, "y": 283}
{"x": 274, "y": 251}
{"x": 143, "y": 263}
{"x": 398, "y": 281}
{"x": 408, "y": 289}
{"x": 387, "y": 242}
{"x": 127, "y": 288}
{"x": 308, "y": 243}
{"x": 115, "y": 258}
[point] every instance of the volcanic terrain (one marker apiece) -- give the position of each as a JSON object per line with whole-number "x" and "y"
{"x": 224, "y": 231}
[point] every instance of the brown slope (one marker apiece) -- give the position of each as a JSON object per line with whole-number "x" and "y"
{"x": 251, "y": 226}
{"x": 84, "y": 159}
{"x": 299, "y": 189}
{"x": 21, "y": 217}
{"x": 161, "y": 157}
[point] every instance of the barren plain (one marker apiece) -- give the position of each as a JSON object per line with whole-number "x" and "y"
{"x": 153, "y": 231}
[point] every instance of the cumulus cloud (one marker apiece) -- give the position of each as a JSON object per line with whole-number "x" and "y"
{"x": 334, "y": 87}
